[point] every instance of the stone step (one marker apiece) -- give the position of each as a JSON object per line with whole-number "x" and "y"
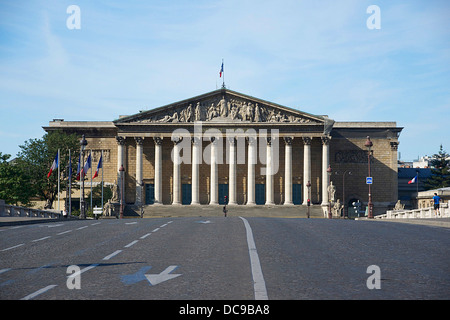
{"x": 298, "y": 211}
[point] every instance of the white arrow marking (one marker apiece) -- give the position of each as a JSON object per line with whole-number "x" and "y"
{"x": 155, "y": 279}
{"x": 207, "y": 221}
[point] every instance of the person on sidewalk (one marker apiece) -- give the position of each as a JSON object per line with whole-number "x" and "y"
{"x": 436, "y": 200}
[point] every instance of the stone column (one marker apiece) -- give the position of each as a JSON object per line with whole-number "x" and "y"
{"x": 176, "y": 172}
{"x": 214, "y": 181}
{"x": 325, "y": 164}
{"x": 158, "y": 169}
{"x": 196, "y": 156}
{"x": 306, "y": 167}
{"x": 120, "y": 152}
{"x": 251, "y": 171}
{"x": 139, "y": 182}
{"x": 288, "y": 171}
{"x": 232, "y": 172}
{"x": 269, "y": 175}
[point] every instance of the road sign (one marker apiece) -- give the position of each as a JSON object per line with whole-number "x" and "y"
{"x": 368, "y": 180}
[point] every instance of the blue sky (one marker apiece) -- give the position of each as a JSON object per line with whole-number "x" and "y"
{"x": 315, "y": 56}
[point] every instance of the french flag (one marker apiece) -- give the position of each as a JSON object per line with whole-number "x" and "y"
{"x": 221, "y": 71}
{"x": 54, "y": 165}
{"x": 98, "y": 167}
{"x": 413, "y": 180}
{"x": 87, "y": 166}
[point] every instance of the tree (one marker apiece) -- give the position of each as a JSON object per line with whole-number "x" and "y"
{"x": 13, "y": 182}
{"x": 36, "y": 157}
{"x": 440, "y": 171}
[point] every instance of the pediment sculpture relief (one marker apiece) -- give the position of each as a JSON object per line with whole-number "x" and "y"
{"x": 234, "y": 109}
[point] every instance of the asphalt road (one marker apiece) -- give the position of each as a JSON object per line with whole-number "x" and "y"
{"x": 224, "y": 259}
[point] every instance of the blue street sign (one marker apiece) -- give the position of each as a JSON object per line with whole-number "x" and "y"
{"x": 368, "y": 180}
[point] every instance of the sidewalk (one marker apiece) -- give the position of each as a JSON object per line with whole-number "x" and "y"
{"x": 433, "y": 222}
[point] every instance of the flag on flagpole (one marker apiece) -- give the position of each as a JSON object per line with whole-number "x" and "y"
{"x": 221, "y": 71}
{"x": 79, "y": 168}
{"x": 413, "y": 180}
{"x": 55, "y": 165}
{"x": 98, "y": 167}
{"x": 86, "y": 167}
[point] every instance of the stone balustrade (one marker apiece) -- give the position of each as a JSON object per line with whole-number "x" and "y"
{"x": 421, "y": 213}
{"x": 7, "y": 210}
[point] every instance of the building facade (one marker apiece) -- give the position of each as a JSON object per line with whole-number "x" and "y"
{"x": 228, "y": 147}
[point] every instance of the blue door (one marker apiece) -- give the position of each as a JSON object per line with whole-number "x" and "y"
{"x": 260, "y": 193}
{"x": 223, "y": 192}
{"x": 149, "y": 193}
{"x": 297, "y": 193}
{"x": 186, "y": 192}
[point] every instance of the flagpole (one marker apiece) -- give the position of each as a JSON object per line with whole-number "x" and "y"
{"x": 90, "y": 155}
{"x": 70, "y": 184}
{"x": 101, "y": 157}
{"x": 58, "y": 176}
{"x": 223, "y": 81}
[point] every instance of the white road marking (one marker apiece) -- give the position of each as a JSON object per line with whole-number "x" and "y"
{"x": 95, "y": 223}
{"x": 145, "y": 236}
{"x": 82, "y": 227}
{"x": 63, "y": 232}
{"x": 35, "y": 294}
{"x": 259, "y": 285}
{"x": 155, "y": 230}
{"x": 36, "y": 240}
{"x": 73, "y": 275}
{"x": 130, "y": 222}
{"x": 112, "y": 255}
{"x": 19, "y": 245}
{"x": 131, "y": 243}
{"x": 4, "y": 270}
{"x": 165, "y": 224}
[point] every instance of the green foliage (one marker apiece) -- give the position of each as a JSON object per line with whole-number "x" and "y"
{"x": 13, "y": 182}
{"x": 440, "y": 171}
{"x": 36, "y": 157}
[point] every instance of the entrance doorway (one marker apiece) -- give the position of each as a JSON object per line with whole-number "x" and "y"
{"x": 260, "y": 193}
{"x": 223, "y": 192}
{"x": 149, "y": 193}
{"x": 186, "y": 193}
{"x": 297, "y": 193}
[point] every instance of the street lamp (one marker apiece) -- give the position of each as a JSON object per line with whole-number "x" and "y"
{"x": 329, "y": 183}
{"x": 83, "y": 144}
{"x": 122, "y": 188}
{"x": 369, "y": 145}
{"x": 308, "y": 185}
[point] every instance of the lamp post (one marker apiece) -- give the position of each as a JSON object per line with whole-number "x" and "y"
{"x": 343, "y": 191}
{"x": 369, "y": 145}
{"x": 329, "y": 194}
{"x": 308, "y": 185}
{"x": 83, "y": 144}
{"x": 122, "y": 188}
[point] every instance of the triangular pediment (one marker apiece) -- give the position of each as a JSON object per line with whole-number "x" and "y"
{"x": 222, "y": 106}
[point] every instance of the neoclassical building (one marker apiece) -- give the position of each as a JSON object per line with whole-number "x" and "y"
{"x": 228, "y": 147}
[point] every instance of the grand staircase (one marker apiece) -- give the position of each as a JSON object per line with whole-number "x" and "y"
{"x": 280, "y": 211}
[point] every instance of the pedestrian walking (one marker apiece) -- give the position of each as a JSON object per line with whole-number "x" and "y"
{"x": 436, "y": 200}
{"x": 225, "y": 210}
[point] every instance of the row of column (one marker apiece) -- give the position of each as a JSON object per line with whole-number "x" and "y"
{"x": 214, "y": 191}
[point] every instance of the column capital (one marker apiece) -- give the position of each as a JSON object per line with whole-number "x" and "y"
{"x": 251, "y": 140}
{"x": 120, "y": 140}
{"x": 139, "y": 140}
{"x": 177, "y": 140}
{"x": 325, "y": 140}
{"x": 307, "y": 140}
{"x": 288, "y": 140}
{"x": 158, "y": 140}
{"x": 196, "y": 141}
{"x": 232, "y": 140}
